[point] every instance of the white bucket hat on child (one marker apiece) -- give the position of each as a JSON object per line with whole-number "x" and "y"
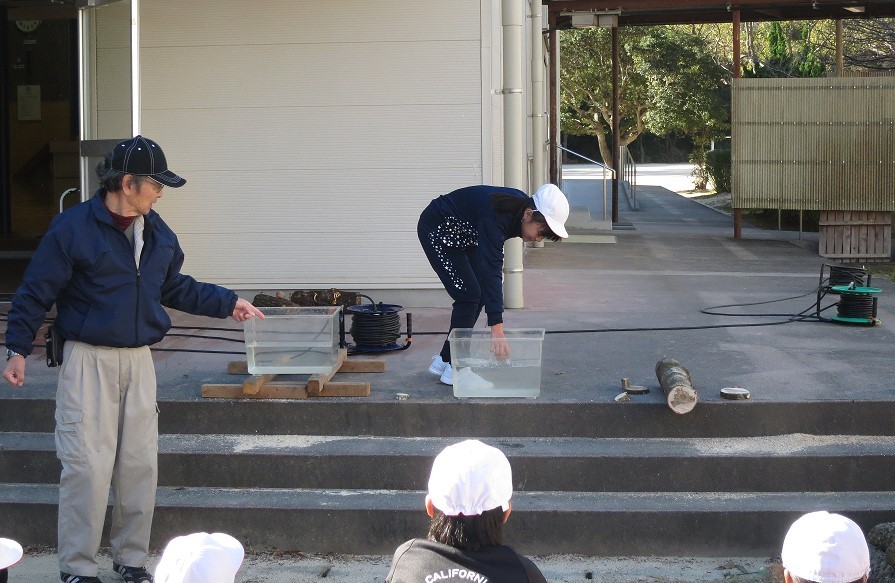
{"x": 200, "y": 558}
{"x": 826, "y": 548}
{"x": 10, "y": 553}
{"x": 552, "y": 203}
{"x": 469, "y": 478}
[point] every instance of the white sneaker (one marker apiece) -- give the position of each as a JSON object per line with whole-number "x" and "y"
{"x": 470, "y": 381}
{"x": 447, "y": 377}
{"x": 437, "y": 366}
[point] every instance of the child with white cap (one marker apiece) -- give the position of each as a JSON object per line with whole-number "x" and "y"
{"x": 825, "y": 548}
{"x": 463, "y": 234}
{"x": 468, "y": 501}
{"x": 200, "y": 558}
{"x": 10, "y": 553}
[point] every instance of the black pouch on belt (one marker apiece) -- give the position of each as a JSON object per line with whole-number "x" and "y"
{"x": 54, "y": 342}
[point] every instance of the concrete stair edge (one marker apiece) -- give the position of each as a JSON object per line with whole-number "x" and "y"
{"x": 372, "y": 522}
{"x": 501, "y": 418}
{"x": 564, "y": 464}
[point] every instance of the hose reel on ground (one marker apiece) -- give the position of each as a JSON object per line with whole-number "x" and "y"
{"x": 857, "y": 303}
{"x": 375, "y": 328}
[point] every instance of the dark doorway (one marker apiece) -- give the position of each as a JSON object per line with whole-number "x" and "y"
{"x": 39, "y": 129}
{"x": 40, "y": 133}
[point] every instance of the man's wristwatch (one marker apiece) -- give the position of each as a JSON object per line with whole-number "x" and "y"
{"x": 10, "y": 353}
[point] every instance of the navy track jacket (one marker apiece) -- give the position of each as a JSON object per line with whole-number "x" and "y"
{"x": 489, "y": 231}
{"x": 85, "y": 264}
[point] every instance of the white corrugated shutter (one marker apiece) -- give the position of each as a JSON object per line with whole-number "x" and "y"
{"x": 312, "y": 134}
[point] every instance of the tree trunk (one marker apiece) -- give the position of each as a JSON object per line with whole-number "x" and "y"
{"x": 605, "y": 150}
{"x": 675, "y": 382}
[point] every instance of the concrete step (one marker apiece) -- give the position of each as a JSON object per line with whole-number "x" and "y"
{"x": 491, "y": 418}
{"x": 758, "y": 464}
{"x": 376, "y": 521}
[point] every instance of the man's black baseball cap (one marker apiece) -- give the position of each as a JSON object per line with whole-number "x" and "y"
{"x": 142, "y": 157}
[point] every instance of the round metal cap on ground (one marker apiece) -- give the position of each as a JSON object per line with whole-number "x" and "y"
{"x": 633, "y": 389}
{"x": 735, "y": 393}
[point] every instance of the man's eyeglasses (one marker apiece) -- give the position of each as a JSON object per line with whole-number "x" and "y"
{"x": 158, "y": 185}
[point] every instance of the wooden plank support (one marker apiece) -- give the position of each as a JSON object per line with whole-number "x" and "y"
{"x": 252, "y": 385}
{"x": 319, "y": 385}
{"x": 241, "y": 367}
{"x": 363, "y": 365}
{"x": 271, "y": 391}
{"x": 343, "y": 389}
{"x": 316, "y": 382}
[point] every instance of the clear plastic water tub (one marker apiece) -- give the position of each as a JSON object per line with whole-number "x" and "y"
{"x": 293, "y": 340}
{"x": 478, "y": 373}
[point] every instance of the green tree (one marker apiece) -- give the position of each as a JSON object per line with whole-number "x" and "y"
{"x": 869, "y": 44}
{"x": 668, "y": 82}
{"x": 586, "y": 88}
{"x": 792, "y": 49}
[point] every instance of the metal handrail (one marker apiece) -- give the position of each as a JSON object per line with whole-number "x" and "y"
{"x": 604, "y": 168}
{"x": 64, "y": 194}
{"x": 629, "y": 174}
{"x": 574, "y": 153}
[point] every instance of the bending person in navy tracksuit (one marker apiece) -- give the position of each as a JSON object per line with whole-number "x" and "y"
{"x": 463, "y": 234}
{"x": 111, "y": 265}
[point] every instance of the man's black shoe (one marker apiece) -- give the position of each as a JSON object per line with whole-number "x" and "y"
{"x": 132, "y": 574}
{"x": 66, "y": 578}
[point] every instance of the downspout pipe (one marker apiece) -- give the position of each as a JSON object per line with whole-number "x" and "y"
{"x": 136, "y": 106}
{"x": 538, "y": 101}
{"x": 514, "y": 150}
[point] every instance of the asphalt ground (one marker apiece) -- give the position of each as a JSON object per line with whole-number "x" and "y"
{"x": 613, "y": 304}
{"x": 676, "y": 258}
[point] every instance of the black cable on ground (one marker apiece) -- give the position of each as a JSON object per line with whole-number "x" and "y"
{"x": 382, "y": 330}
{"x": 201, "y": 337}
{"x": 710, "y": 311}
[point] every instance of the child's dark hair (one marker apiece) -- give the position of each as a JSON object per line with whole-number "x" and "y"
{"x": 468, "y": 533}
{"x": 516, "y": 206}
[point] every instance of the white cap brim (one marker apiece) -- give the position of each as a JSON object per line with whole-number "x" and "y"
{"x": 10, "y": 553}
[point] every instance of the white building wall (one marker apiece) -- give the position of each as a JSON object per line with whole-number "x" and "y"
{"x": 109, "y": 77}
{"x": 312, "y": 134}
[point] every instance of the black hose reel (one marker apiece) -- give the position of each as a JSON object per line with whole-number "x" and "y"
{"x": 375, "y": 328}
{"x": 857, "y": 300}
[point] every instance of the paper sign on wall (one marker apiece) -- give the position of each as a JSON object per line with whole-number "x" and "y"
{"x": 29, "y": 102}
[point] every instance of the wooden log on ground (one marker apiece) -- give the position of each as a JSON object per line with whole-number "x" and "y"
{"x": 268, "y": 301}
{"x": 325, "y": 297}
{"x": 675, "y": 381}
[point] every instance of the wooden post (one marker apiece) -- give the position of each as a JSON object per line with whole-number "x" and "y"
{"x": 840, "y": 61}
{"x": 553, "y": 119}
{"x": 737, "y": 73}
{"x": 616, "y": 127}
{"x": 675, "y": 382}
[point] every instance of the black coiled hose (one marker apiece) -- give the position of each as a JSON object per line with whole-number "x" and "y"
{"x": 375, "y": 328}
{"x": 857, "y": 306}
{"x": 847, "y": 275}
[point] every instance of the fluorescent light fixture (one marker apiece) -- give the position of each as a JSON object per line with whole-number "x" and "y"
{"x": 593, "y": 20}
{"x": 584, "y": 20}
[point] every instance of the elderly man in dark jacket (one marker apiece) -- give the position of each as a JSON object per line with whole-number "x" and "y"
{"x": 110, "y": 265}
